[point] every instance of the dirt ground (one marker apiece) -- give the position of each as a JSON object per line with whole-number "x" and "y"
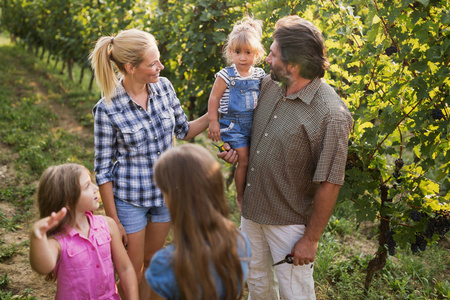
{"x": 18, "y": 270}
{"x": 23, "y": 280}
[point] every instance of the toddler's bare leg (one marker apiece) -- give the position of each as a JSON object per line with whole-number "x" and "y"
{"x": 240, "y": 174}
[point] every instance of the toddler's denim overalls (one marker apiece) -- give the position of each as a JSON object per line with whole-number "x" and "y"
{"x": 236, "y": 125}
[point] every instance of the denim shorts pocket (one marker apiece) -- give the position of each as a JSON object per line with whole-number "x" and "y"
{"x": 226, "y": 125}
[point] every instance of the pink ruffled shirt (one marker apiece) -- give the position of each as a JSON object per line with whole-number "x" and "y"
{"x": 85, "y": 268}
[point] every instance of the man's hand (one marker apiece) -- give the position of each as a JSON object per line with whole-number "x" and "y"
{"x": 306, "y": 247}
{"x": 239, "y": 204}
{"x": 229, "y": 155}
{"x": 304, "y": 251}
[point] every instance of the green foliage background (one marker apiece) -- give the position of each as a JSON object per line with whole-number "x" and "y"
{"x": 391, "y": 93}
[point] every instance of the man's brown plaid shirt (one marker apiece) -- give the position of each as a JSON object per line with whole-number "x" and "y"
{"x": 297, "y": 142}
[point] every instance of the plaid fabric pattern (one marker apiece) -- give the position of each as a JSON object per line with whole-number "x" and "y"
{"x": 129, "y": 140}
{"x": 297, "y": 142}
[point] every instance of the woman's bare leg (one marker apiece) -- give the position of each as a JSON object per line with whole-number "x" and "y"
{"x": 155, "y": 237}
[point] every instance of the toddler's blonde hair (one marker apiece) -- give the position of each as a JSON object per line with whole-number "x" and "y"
{"x": 246, "y": 33}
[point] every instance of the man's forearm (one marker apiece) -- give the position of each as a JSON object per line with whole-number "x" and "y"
{"x": 323, "y": 206}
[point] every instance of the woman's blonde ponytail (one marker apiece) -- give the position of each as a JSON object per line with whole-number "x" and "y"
{"x": 129, "y": 46}
{"x": 103, "y": 69}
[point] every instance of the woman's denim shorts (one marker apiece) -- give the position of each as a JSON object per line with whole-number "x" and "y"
{"x": 135, "y": 218}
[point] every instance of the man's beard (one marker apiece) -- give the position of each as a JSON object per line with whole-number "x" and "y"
{"x": 279, "y": 74}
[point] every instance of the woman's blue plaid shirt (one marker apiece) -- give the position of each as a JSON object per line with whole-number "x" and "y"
{"x": 129, "y": 140}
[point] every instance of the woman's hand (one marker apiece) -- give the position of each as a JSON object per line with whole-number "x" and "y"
{"x": 123, "y": 233}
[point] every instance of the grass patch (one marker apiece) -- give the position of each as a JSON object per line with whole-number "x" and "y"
{"x": 34, "y": 102}
{"x": 9, "y": 295}
{"x": 28, "y": 122}
{"x": 340, "y": 270}
{"x": 22, "y": 199}
{"x": 8, "y": 251}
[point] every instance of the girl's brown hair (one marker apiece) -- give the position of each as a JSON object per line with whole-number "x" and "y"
{"x": 129, "y": 46}
{"x": 193, "y": 186}
{"x": 59, "y": 187}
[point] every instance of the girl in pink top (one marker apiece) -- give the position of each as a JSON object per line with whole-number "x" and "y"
{"x": 71, "y": 245}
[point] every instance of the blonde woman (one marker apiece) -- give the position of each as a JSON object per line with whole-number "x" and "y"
{"x": 134, "y": 123}
{"x": 209, "y": 257}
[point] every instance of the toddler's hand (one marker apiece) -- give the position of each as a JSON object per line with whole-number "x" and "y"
{"x": 214, "y": 131}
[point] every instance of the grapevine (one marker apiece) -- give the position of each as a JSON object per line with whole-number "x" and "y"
{"x": 436, "y": 227}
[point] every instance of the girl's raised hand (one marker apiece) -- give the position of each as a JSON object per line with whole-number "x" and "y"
{"x": 41, "y": 227}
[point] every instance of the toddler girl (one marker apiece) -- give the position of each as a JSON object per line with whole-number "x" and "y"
{"x": 209, "y": 257}
{"x": 72, "y": 245}
{"x": 235, "y": 94}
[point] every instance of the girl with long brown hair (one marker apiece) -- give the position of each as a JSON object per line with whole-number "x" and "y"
{"x": 72, "y": 245}
{"x": 209, "y": 257}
